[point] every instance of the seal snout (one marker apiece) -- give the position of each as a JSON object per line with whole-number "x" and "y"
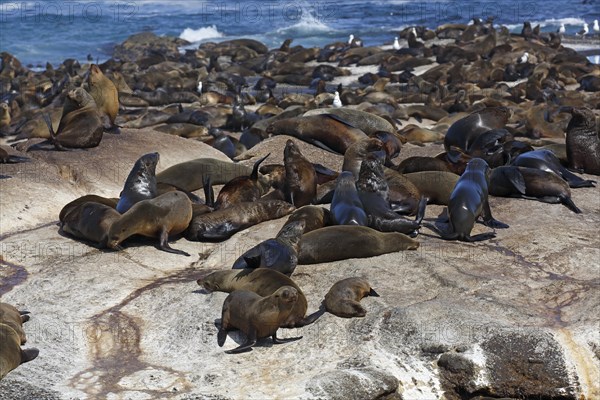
{"x": 289, "y": 294}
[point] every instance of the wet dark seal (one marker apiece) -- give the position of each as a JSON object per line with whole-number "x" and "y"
{"x": 140, "y": 184}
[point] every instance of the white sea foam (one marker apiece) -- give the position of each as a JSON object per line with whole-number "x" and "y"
{"x": 197, "y": 35}
{"x": 550, "y": 22}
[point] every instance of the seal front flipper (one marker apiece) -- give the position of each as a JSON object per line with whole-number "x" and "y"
{"x": 221, "y": 336}
{"x": 29, "y": 354}
{"x": 247, "y": 346}
{"x": 209, "y": 193}
{"x": 488, "y": 220}
{"x": 250, "y": 259}
{"x": 373, "y": 293}
{"x": 515, "y": 177}
{"x": 568, "y": 202}
{"x": 164, "y": 244}
{"x": 309, "y": 319}
{"x": 276, "y": 340}
{"x": 53, "y": 136}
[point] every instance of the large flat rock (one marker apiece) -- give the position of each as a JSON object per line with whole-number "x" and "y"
{"x": 516, "y": 316}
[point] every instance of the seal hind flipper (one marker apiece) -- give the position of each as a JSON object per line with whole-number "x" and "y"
{"x": 24, "y": 318}
{"x": 277, "y": 340}
{"x": 254, "y": 174}
{"x": 209, "y": 193}
{"x": 309, "y": 319}
{"x": 421, "y": 210}
{"x": 247, "y": 345}
{"x": 488, "y": 220}
{"x": 338, "y": 119}
{"x": 221, "y": 336}
{"x": 373, "y": 293}
{"x": 53, "y": 135}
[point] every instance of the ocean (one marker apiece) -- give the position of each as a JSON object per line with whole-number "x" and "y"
{"x": 37, "y": 32}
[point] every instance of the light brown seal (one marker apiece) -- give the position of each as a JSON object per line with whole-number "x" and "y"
{"x": 334, "y": 243}
{"x": 166, "y": 215}
{"x": 257, "y": 316}
{"x": 343, "y": 299}
{"x": 300, "y": 176}
{"x": 105, "y": 93}
{"x": 12, "y": 355}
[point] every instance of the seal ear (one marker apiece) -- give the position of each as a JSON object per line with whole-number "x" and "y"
{"x": 515, "y": 177}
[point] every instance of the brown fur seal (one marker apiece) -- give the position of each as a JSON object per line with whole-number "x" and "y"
{"x": 421, "y": 164}
{"x": 326, "y": 131}
{"x": 111, "y": 202}
{"x": 300, "y": 176}
{"x": 346, "y": 207}
{"x": 9, "y": 315}
{"x": 357, "y": 152}
{"x": 242, "y": 188}
{"x": 583, "y": 142}
{"x": 436, "y": 186}
{"x": 314, "y": 217}
{"x": 469, "y": 201}
{"x": 104, "y": 93}
{"x": 373, "y": 191}
{"x": 222, "y": 224}
{"x": 464, "y": 132}
{"x": 140, "y": 184}
{"x": 280, "y": 253}
{"x": 531, "y": 183}
{"x": 191, "y": 175}
{"x": 4, "y": 117}
{"x": 80, "y": 125}
{"x": 166, "y": 215}
{"x": 257, "y": 316}
{"x": 547, "y": 161}
{"x": 343, "y": 299}
{"x": 90, "y": 221}
{"x": 341, "y": 242}
{"x": 262, "y": 281}
{"x": 365, "y": 121}
{"x": 12, "y": 355}
{"x": 391, "y": 144}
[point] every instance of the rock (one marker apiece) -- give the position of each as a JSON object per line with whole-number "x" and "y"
{"x": 359, "y": 384}
{"x": 147, "y": 44}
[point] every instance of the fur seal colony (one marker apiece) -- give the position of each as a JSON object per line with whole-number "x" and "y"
{"x": 475, "y": 98}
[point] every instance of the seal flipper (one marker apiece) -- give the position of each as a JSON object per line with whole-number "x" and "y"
{"x": 53, "y": 135}
{"x": 480, "y": 237}
{"x": 276, "y": 340}
{"x": 24, "y": 318}
{"x": 515, "y": 177}
{"x": 221, "y": 336}
{"x": 373, "y": 293}
{"x": 254, "y": 174}
{"x": 488, "y": 220}
{"x": 568, "y": 202}
{"x": 310, "y": 318}
{"x": 250, "y": 259}
{"x": 247, "y": 346}
{"x": 29, "y": 354}
{"x": 421, "y": 210}
{"x": 164, "y": 244}
{"x": 573, "y": 180}
{"x": 209, "y": 193}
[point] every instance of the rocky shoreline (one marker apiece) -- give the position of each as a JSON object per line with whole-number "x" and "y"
{"x": 511, "y": 317}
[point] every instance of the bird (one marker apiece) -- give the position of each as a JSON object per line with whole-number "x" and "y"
{"x": 562, "y": 29}
{"x": 337, "y": 102}
{"x": 350, "y": 39}
{"x": 414, "y": 32}
{"x": 524, "y": 58}
{"x": 584, "y": 31}
{"x": 396, "y": 44}
{"x": 596, "y": 28}
{"x": 199, "y": 87}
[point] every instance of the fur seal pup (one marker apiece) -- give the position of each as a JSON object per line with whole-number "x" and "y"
{"x": 191, "y": 175}
{"x": 262, "y": 281}
{"x": 326, "y": 131}
{"x": 80, "y": 125}
{"x": 140, "y": 184}
{"x": 313, "y": 217}
{"x": 373, "y": 192}
{"x": 11, "y": 316}
{"x": 90, "y": 221}
{"x": 464, "y": 132}
{"x": 222, "y": 224}
{"x": 547, "y": 161}
{"x": 280, "y": 253}
{"x": 343, "y": 299}
{"x": 583, "y": 142}
{"x": 257, "y": 316}
{"x": 436, "y": 186}
{"x": 105, "y": 93}
{"x": 12, "y": 355}
{"x": 242, "y": 188}
{"x": 6, "y": 158}
{"x": 166, "y": 215}
{"x": 341, "y": 242}
{"x": 469, "y": 201}
{"x": 346, "y": 207}
{"x": 300, "y": 176}
{"x": 531, "y": 183}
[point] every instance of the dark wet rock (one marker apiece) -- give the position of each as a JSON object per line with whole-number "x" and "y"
{"x": 147, "y": 45}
